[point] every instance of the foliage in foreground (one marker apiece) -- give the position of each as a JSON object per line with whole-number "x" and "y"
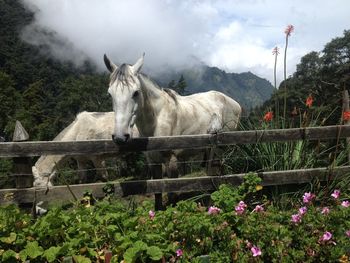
{"x": 241, "y": 226}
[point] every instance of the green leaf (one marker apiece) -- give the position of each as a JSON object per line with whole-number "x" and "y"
{"x": 154, "y": 253}
{"x": 140, "y": 245}
{"x": 8, "y": 254}
{"x": 112, "y": 228}
{"x": 51, "y": 253}
{"x": 33, "y": 250}
{"x": 10, "y": 239}
{"x": 131, "y": 254}
{"x": 81, "y": 259}
{"x": 23, "y": 255}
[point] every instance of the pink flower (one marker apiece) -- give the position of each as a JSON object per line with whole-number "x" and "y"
{"x": 256, "y": 251}
{"x": 302, "y": 210}
{"x": 345, "y": 203}
{"x": 336, "y": 194}
{"x": 242, "y": 204}
{"x": 296, "y": 218}
{"x": 325, "y": 211}
{"x": 258, "y": 209}
{"x": 179, "y": 252}
{"x": 151, "y": 214}
{"x": 347, "y": 233}
{"x": 213, "y": 210}
{"x": 308, "y": 197}
{"x": 326, "y": 236}
{"x": 240, "y": 208}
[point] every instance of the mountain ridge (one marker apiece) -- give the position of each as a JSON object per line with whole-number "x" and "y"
{"x": 247, "y": 88}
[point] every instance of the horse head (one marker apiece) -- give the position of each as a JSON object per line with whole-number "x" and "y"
{"x": 125, "y": 89}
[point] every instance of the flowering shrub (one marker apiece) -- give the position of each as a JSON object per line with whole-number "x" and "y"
{"x": 240, "y": 226}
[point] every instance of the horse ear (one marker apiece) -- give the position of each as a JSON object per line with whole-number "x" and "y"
{"x": 138, "y": 65}
{"x": 109, "y": 64}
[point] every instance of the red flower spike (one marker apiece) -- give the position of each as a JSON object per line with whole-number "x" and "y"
{"x": 309, "y": 101}
{"x": 289, "y": 30}
{"x": 268, "y": 116}
{"x": 346, "y": 115}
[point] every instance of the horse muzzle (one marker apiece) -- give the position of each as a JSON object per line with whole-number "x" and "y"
{"x": 121, "y": 139}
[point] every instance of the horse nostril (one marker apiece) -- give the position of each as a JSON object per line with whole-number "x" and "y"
{"x": 127, "y": 136}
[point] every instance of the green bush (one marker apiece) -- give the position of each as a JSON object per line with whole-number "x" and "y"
{"x": 234, "y": 229}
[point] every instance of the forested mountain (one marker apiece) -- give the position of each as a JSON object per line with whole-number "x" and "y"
{"x": 42, "y": 93}
{"x": 248, "y": 89}
{"x": 323, "y": 76}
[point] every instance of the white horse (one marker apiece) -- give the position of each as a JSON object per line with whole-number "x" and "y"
{"x": 162, "y": 112}
{"x": 86, "y": 126}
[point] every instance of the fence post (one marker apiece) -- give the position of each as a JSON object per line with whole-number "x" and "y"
{"x": 213, "y": 166}
{"x": 22, "y": 165}
{"x": 346, "y": 122}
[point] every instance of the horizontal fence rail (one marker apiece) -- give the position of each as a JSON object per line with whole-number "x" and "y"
{"x": 97, "y": 147}
{"x": 205, "y": 183}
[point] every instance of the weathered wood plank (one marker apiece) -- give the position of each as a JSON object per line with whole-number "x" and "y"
{"x": 13, "y": 149}
{"x": 205, "y": 183}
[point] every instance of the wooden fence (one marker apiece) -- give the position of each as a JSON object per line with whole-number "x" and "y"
{"x": 165, "y": 143}
{"x": 21, "y": 151}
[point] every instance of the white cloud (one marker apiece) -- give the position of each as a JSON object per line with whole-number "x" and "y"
{"x": 234, "y": 35}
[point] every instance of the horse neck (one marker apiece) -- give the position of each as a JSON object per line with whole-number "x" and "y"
{"x": 46, "y": 163}
{"x": 150, "y": 107}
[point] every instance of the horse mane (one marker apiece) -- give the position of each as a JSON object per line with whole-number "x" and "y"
{"x": 122, "y": 74}
{"x": 171, "y": 93}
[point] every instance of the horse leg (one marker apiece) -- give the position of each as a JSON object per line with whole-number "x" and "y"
{"x": 100, "y": 166}
{"x": 82, "y": 165}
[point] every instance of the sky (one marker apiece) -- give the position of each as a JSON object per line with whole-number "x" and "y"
{"x": 236, "y": 36}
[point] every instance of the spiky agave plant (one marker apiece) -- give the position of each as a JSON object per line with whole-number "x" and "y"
{"x": 277, "y": 156}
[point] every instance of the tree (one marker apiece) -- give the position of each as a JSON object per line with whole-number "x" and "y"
{"x": 181, "y": 86}
{"x": 8, "y": 100}
{"x": 32, "y": 110}
{"x": 171, "y": 85}
{"x": 85, "y": 93}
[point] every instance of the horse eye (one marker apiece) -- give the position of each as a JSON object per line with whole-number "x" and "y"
{"x": 136, "y": 94}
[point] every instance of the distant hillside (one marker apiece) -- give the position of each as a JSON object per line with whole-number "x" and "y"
{"x": 248, "y": 89}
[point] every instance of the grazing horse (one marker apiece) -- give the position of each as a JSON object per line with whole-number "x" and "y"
{"x": 86, "y": 126}
{"x": 163, "y": 112}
